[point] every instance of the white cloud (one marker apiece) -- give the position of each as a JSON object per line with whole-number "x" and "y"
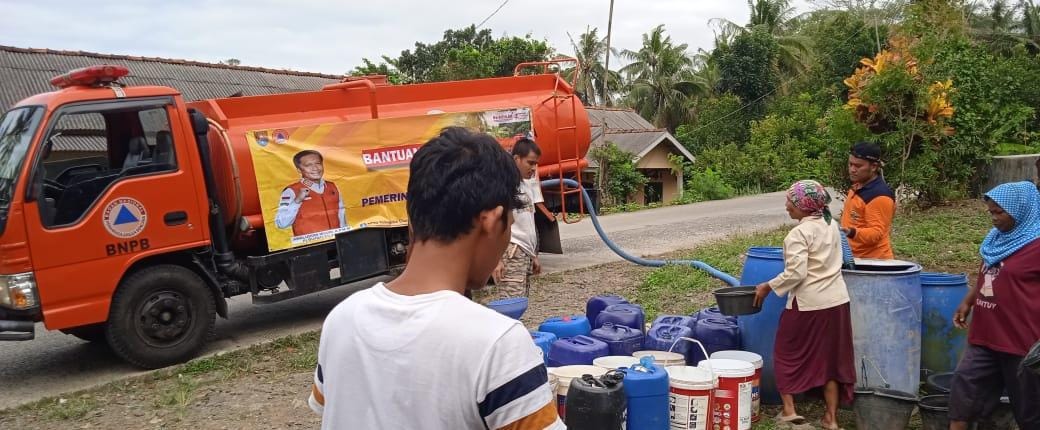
{"x": 332, "y": 36}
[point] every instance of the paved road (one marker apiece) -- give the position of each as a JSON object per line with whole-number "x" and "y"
{"x": 55, "y": 363}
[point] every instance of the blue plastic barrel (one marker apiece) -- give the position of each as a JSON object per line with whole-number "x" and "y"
{"x": 716, "y": 335}
{"x": 543, "y": 340}
{"x": 566, "y": 326}
{"x": 941, "y": 343}
{"x": 711, "y": 312}
{"x": 624, "y": 314}
{"x": 622, "y": 340}
{"x": 597, "y": 304}
{"x": 646, "y": 387}
{"x": 675, "y": 320}
{"x": 758, "y": 331}
{"x": 662, "y": 336}
{"x": 886, "y": 323}
{"x": 576, "y": 350}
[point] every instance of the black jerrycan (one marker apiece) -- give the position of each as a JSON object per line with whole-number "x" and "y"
{"x": 597, "y": 403}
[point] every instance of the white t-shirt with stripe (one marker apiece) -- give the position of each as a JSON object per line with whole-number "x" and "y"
{"x": 431, "y": 361}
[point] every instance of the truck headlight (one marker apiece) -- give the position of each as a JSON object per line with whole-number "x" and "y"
{"x": 18, "y": 291}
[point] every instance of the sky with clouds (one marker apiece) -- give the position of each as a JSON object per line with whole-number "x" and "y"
{"x": 331, "y": 36}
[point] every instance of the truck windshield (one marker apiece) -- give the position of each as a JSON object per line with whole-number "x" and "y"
{"x": 17, "y": 127}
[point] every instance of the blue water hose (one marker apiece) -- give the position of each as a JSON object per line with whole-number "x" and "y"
{"x": 640, "y": 261}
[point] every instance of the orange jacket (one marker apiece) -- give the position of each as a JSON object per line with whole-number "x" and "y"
{"x": 869, "y": 210}
{"x": 318, "y": 212}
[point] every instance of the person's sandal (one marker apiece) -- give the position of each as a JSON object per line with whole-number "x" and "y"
{"x": 793, "y": 419}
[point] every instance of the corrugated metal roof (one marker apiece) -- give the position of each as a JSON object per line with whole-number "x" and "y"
{"x": 618, "y": 119}
{"x": 24, "y": 72}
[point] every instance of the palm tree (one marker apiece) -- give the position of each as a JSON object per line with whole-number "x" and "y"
{"x": 778, "y": 17}
{"x": 997, "y": 27}
{"x": 662, "y": 80}
{"x": 590, "y": 51}
{"x": 1030, "y": 24}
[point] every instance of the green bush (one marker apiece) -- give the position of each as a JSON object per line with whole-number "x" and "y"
{"x": 706, "y": 185}
{"x": 620, "y": 178}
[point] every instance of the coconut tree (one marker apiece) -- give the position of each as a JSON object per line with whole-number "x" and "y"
{"x": 590, "y": 50}
{"x": 778, "y": 17}
{"x": 662, "y": 79}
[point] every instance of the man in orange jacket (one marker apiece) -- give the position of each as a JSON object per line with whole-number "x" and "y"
{"x": 870, "y": 206}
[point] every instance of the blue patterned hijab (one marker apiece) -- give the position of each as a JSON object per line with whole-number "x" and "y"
{"x": 1021, "y": 200}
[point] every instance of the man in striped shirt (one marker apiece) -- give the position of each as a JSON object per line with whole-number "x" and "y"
{"x": 415, "y": 353}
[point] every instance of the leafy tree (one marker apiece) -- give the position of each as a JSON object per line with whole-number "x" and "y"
{"x": 719, "y": 121}
{"x": 367, "y": 67}
{"x": 777, "y": 18}
{"x": 465, "y": 54}
{"x": 746, "y": 66}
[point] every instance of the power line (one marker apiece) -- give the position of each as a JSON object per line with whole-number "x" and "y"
{"x": 492, "y": 14}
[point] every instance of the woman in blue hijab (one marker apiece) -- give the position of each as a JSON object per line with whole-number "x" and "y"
{"x": 1005, "y": 313}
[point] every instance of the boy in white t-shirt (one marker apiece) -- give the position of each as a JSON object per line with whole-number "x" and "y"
{"x": 415, "y": 353}
{"x": 512, "y": 276}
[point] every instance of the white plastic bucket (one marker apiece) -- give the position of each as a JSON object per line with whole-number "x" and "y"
{"x": 614, "y": 361}
{"x": 564, "y": 375}
{"x": 755, "y": 360}
{"x": 662, "y": 358}
{"x": 691, "y": 391}
{"x": 733, "y": 394}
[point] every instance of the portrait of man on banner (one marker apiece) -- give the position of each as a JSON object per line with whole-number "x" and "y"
{"x": 311, "y": 204}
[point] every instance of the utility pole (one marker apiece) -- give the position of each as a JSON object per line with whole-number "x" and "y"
{"x": 606, "y": 63}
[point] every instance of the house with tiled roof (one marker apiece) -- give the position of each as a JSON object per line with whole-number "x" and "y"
{"x": 650, "y": 148}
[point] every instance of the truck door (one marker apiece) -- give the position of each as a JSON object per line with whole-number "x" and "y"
{"x": 109, "y": 187}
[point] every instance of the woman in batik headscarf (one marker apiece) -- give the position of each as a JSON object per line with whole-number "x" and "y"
{"x": 813, "y": 349}
{"x": 1005, "y": 313}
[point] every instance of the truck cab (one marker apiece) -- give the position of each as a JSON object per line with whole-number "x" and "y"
{"x": 75, "y": 222}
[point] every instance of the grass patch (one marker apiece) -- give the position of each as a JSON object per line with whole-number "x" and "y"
{"x": 942, "y": 239}
{"x": 682, "y": 290}
{"x": 67, "y": 409}
{"x": 180, "y": 395}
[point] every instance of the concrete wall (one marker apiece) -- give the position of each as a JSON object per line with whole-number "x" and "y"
{"x": 1010, "y": 168}
{"x": 657, "y": 158}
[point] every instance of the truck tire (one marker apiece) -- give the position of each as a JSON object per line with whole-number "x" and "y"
{"x": 94, "y": 333}
{"x": 160, "y": 315}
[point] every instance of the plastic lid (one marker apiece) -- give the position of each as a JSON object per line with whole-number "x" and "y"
{"x": 729, "y": 368}
{"x": 690, "y": 378}
{"x": 575, "y": 371}
{"x": 660, "y": 356}
{"x": 614, "y": 361}
{"x": 750, "y": 357}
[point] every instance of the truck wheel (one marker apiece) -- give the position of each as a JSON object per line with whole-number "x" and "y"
{"x": 161, "y": 315}
{"x": 91, "y": 333}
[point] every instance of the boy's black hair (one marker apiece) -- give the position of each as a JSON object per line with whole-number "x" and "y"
{"x": 299, "y": 155}
{"x": 455, "y": 176}
{"x": 524, "y": 146}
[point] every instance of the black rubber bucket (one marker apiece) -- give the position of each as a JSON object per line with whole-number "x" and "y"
{"x": 883, "y": 409}
{"x": 935, "y": 412}
{"x": 735, "y": 301}
{"x": 939, "y": 383}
